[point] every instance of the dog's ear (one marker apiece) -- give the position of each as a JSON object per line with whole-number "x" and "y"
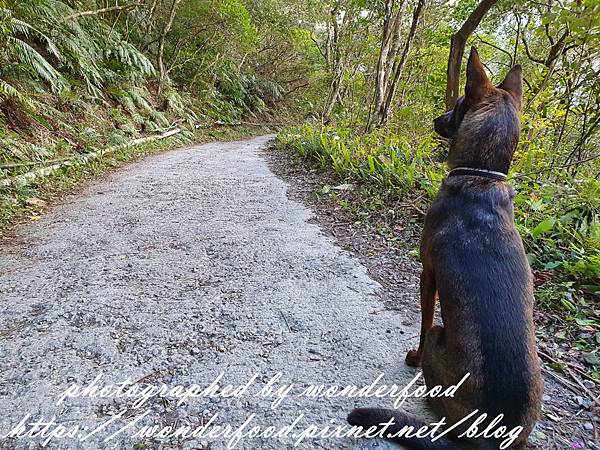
{"x": 513, "y": 84}
{"x": 478, "y": 83}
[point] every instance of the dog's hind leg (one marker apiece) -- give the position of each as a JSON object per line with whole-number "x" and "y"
{"x": 439, "y": 369}
{"x": 435, "y": 371}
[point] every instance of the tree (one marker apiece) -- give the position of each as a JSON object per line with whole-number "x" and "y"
{"x": 162, "y": 71}
{"x": 384, "y": 111}
{"x": 390, "y": 46}
{"x": 336, "y": 56}
{"x": 457, "y": 50}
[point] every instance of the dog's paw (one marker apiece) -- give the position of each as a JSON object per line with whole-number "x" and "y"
{"x": 413, "y": 358}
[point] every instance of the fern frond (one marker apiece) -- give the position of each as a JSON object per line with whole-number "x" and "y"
{"x": 130, "y": 56}
{"x": 7, "y": 90}
{"x": 36, "y": 62}
{"x": 28, "y": 30}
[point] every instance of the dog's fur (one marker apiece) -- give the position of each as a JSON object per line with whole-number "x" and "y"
{"x": 473, "y": 260}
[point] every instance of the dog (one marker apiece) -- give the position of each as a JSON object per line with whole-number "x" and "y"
{"x": 474, "y": 262}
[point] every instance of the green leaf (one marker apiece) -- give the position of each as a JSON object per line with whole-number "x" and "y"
{"x": 543, "y": 227}
{"x": 586, "y": 322}
{"x": 567, "y": 304}
{"x": 591, "y": 358}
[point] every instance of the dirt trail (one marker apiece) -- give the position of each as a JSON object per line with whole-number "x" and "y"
{"x": 172, "y": 270}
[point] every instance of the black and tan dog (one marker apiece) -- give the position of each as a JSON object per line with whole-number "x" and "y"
{"x": 473, "y": 260}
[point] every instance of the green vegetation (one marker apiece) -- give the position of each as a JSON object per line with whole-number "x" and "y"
{"x": 77, "y": 76}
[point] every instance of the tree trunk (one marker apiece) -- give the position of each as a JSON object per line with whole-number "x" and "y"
{"x": 162, "y": 72}
{"x": 336, "y": 63}
{"x": 386, "y": 109}
{"x": 150, "y": 15}
{"x": 334, "y": 93}
{"x": 390, "y": 44}
{"x": 457, "y": 50}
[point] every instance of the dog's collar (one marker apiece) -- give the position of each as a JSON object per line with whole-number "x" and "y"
{"x": 457, "y": 171}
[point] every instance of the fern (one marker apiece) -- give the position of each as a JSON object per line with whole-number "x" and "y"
{"x": 174, "y": 101}
{"x": 87, "y": 48}
{"x": 131, "y": 57}
{"x": 36, "y": 63}
{"x": 28, "y": 56}
{"x": 7, "y": 90}
{"x": 25, "y": 29}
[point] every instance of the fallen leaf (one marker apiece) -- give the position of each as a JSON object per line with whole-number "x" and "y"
{"x": 34, "y": 201}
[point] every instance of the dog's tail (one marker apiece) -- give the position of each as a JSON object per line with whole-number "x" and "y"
{"x": 369, "y": 417}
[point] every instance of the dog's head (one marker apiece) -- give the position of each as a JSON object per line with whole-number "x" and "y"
{"x": 484, "y": 125}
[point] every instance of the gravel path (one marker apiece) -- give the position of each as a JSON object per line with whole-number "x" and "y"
{"x": 173, "y": 270}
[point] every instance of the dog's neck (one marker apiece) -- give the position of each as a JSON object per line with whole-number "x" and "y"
{"x": 471, "y": 171}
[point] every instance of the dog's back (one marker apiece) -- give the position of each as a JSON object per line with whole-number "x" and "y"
{"x": 486, "y": 296}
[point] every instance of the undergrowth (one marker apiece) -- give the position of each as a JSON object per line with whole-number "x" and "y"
{"x": 558, "y": 217}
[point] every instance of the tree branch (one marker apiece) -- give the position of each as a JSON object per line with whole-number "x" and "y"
{"x": 96, "y": 12}
{"x": 500, "y": 49}
{"x": 457, "y": 49}
{"x": 529, "y": 55}
{"x": 312, "y": 38}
